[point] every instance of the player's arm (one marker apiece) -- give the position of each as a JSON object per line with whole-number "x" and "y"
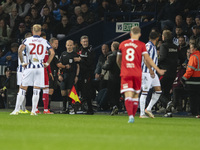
{"x": 77, "y": 73}
{"x": 52, "y": 53}
{"x": 119, "y": 59}
{"x": 20, "y": 50}
{"x": 150, "y": 70}
{"x": 152, "y": 64}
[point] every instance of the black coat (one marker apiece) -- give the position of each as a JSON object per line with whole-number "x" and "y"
{"x": 168, "y": 58}
{"x": 112, "y": 67}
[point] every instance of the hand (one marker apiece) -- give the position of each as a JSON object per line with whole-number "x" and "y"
{"x": 9, "y": 57}
{"x": 46, "y": 64}
{"x": 161, "y": 72}
{"x": 77, "y": 59}
{"x": 152, "y": 74}
{"x": 182, "y": 81}
{"x": 76, "y": 80}
{"x": 51, "y": 76}
{"x": 67, "y": 66}
{"x": 24, "y": 65}
{"x": 60, "y": 78}
{"x": 97, "y": 76}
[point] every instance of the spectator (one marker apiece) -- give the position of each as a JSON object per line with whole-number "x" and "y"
{"x": 45, "y": 28}
{"x": 77, "y": 12}
{"x": 168, "y": 60}
{"x": 168, "y": 13}
{"x": 62, "y": 29}
{"x": 113, "y": 79}
{"x": 88, "y": 16}
{"x": 10, "y": 58}
{"x": 79, "y": 25}
{"x": 9, "y": 6}
{"x": 100, "y": 63}
{"x": 51, "y": 4}
{"x": 14, "y": 18}
{"x": 37, "y": 4}
{"x": 22, "y": 7}
{"x": 104, "y": 7}
{"x": 4, "y": 33}
{"x": 4, "y": 85}
{"x": 21, "y": 33}
{"x": 178, "y": 33}
{"x": 34, "y": 18}
{"x": 182, "y": 51}
{"x": 119, "y": 6}
{"x": 196, "y": 34}
{"x": 47, "y": 17}
{"x": 179, "y": 22}
{"x": 4, "y": 15}
{"x": 189, "y": 25}
{"x": 72, "y": 6}
{"x": 27, "y": 22}
{"x": 197, "y": 21}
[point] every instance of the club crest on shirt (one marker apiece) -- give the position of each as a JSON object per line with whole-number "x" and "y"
{"x": 125, "y": 86}
{"x": 70, "y": 61}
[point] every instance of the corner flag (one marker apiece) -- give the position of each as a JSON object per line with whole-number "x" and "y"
{"x": 74, "y": 96}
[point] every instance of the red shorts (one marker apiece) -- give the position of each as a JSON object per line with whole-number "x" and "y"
{"x": 131, "y": 83}
{"x": 46, "y": 78}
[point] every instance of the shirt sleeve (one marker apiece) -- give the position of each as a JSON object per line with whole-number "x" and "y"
{"x": 190, "y": 68}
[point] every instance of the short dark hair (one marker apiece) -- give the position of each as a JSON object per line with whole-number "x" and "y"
{"x": 153, "y": 35}
{"x": 167, "y": 35}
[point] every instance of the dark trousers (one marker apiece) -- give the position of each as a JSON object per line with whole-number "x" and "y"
{"x": 194, "y": 96}
{"x": 113, "y": 92}
{"x": 87, "y": 90}
{"x": 179, "y": 94}
{"x": 166, "y": 85}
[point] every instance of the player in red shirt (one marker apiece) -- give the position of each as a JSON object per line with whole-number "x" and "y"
{"x": 129, "y": 59}
{"x": 47, "y": 72}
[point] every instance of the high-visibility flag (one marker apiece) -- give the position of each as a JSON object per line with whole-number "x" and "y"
{"x": 74, "y": 96}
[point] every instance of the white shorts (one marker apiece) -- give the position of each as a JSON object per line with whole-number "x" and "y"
{"x": 19, "y": 78}
{"x": 149, "y": 82}
{"x": 33, "y": 77}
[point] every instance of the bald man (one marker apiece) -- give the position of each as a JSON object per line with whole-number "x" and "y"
{"x": 69, "y": 72}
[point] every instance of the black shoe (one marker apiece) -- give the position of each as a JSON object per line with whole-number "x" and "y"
{"x": 114, "y": 111}
{"x": 168, "y": 114}
{"x": 90, "y": 113}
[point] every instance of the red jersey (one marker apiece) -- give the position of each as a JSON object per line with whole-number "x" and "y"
{"x": 132, "y": 51}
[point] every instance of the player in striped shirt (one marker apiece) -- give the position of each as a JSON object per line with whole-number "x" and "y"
{"x": 33, "y": 75}
{"x": 150, "y": 78}
{"x": 20, "y": 71}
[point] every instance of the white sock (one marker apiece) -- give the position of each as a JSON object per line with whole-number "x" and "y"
{"x": 131, "y": 116}
{"x": 20, "y": 97}
{"x": 23, "y": 106}
{"x": 35, "y": 99}
{"x": 142, "y": 103}
{"x": 154, "y": 99}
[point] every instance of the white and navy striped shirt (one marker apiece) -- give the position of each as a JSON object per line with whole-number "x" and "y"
{"x": 20, "y": 68}
{"x": 151, "y": 49}
{"x": 36, "y": 48}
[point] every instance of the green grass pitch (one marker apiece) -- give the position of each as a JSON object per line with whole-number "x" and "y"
{"x": 97, "y": 132}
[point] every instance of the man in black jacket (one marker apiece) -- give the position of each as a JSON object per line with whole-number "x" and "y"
{"x": 113, "y": 79}
{"x": 168, "y": 60}
{"x": 87, "y": 72}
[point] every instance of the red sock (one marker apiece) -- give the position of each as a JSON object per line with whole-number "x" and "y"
{"x": 135, "y": 105}
{"x": 45, "y": 98}
{"x": 129, "y": 106}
